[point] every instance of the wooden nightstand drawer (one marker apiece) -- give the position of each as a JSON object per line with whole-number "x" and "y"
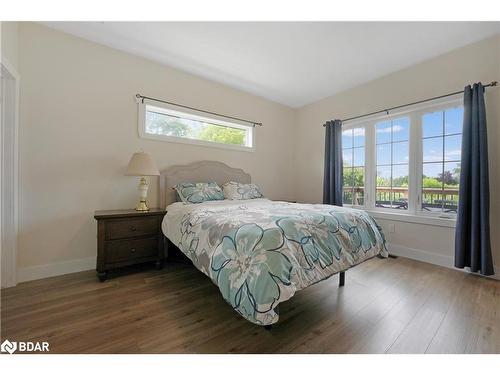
{"x": 116, "y": 229}
{"x": 128, "y": 237}
{"x": 121, "y": 251}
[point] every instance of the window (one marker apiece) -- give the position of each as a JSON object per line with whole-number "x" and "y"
{"x": 392, "y": 156}
{"x": 407, "y": 162}
{"x": 441, "y": 151}
{"x": 353, "y": 155}
{"x": 158, "y": 122}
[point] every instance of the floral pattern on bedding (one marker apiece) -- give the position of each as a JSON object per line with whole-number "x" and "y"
{"x": 190, "y": 192}
{"x": 259, "y": 252}
{"x": 238, "y": 191}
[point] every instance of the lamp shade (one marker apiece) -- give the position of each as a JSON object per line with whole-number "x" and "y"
{"x": 142, "y": 164}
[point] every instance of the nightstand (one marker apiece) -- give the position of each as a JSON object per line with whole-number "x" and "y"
{"x": 127, "y": 237}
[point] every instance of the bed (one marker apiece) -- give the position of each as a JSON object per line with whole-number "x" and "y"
{"x": 260, "y": 252}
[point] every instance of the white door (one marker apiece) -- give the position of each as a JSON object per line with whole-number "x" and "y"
{"x": 8, "y": 182}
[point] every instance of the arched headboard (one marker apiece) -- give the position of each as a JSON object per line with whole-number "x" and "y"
{"x": 200, "y": 171}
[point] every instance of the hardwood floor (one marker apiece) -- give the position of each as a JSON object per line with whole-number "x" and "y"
{"x": 387, "y": 306}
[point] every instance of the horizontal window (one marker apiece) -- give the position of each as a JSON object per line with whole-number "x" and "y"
{"x": 161, "y": 123}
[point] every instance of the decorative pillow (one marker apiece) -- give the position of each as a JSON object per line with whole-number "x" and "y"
{"x": 190, "y": 192}
{"x": 235, "y": 190}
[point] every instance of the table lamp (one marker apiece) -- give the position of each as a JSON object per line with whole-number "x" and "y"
{"x": 142, "y": 164}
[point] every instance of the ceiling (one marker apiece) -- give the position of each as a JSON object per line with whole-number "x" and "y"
{"x": 292, "y": 63}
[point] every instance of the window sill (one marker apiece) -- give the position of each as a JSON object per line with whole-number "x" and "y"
{"x": 196, "y": 142}
{"x": 416, "y": 219}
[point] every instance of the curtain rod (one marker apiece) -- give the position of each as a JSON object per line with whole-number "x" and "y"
{"x": 492, "y": 84}
{"x": 142, "y": 97}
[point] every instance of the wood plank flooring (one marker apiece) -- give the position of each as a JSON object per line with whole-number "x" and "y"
{"x": 387, "y": 306}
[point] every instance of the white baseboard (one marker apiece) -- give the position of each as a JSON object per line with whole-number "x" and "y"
{"x": 62, "y": 268}
{"x": 55, "y": 269}
{"x": 429, "y": 257}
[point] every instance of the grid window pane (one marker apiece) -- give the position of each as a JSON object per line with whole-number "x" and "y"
{"x": 453, "y": 120}
{"x": 359, "y": 177}
{"x": 400, "y": 175}
{"x": 432, "y": 124}
{"x": 401, "y": 129}
{"x": 454, "y": 170}
{"x": 400, "y": 153}
{"x": 384, "y": 197}
{"x": 348, "y": 179}
{"x": 358, "y": 196}
{"x": 359, "y": 137}
{"x": 392, "y": 163}
{"x": 347, "y": 157}
{"x": 353, "y": 154}
{"x": 383, "y": 190}
{"x": 451, "y": 181}
{"x": 432, "y": 186}
{"x": 347, "y": 196}
{"x": 432, "y": 149}
{"x": 347, "y": 138}
{"x": 400, "y": 186}
{"x": 359, "y": 157}
{"x": 441, "y": 160}
{"x": 384, "y": 154}
{"x": 452, "y": 147}
{"x": 384, "y": 176}
{"x": 383, "y": 131}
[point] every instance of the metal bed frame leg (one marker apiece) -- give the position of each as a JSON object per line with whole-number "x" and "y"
{"x": 341, "y": 283}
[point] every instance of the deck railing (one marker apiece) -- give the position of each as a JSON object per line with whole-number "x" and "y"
{"x": 432, "y": 198}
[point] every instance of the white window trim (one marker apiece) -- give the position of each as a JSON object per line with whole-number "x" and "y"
{"x": 192, "y": 115}
{"x": 412, "y": 218}
{"x": 414, "y": 214}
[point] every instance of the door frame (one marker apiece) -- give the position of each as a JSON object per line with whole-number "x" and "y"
{"x": 10, "y": 268}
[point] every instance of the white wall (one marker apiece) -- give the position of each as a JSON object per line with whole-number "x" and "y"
{"x": 446, "y": 73}
{"x": 9, "y": 42}
{"x": 79, "y": 128}
{"x": 9, "y": 60}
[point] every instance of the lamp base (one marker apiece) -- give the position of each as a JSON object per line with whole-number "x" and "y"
{"x": 142, "y": 206}
{"x": 143, "y": 193}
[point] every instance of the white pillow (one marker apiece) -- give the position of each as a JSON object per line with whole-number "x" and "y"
{"x": 236, "y": 191}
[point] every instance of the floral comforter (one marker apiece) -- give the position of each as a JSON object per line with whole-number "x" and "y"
{"x": 259, "y": 252}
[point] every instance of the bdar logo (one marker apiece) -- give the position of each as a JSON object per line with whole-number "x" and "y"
{"x": 8, "y": 347}
{"x": 24, "y": 346}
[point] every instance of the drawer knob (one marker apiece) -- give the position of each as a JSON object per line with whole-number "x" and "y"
{"x": 132, "y": 250}
{"x": 133, "y": 229}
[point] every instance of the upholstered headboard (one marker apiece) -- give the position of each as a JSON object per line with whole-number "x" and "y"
{"x": 200, "y": 171}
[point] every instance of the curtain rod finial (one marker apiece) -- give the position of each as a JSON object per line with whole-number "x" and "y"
{"x": 139, "y": 98}
{"x": 494, "y": 83}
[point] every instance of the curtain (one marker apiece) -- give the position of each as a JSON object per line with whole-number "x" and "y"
{"x": 332, "y": 180}
{"x": 472, "y": 234}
